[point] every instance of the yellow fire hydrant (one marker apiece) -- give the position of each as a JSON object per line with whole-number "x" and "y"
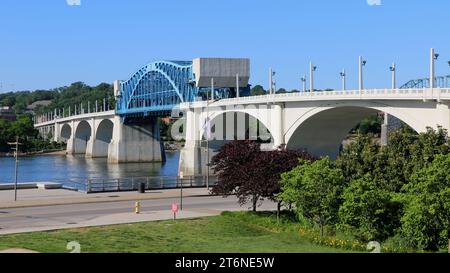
{"x": 137, "y": 207}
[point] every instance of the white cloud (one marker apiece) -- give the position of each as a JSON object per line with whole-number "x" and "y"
{"x": 73, "y": 2}
{"x": 374, "y": 2}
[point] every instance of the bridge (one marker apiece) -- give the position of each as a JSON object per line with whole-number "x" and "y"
{"x": 317, "y": 121}
{"x": 213, "y": 95}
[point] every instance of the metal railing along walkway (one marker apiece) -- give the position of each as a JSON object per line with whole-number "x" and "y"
{"x": 99, "y": 185}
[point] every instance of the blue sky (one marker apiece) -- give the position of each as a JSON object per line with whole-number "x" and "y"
{"x": 47, "y": 43}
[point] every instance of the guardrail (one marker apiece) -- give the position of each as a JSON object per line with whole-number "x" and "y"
{"x": 151, "y": 183}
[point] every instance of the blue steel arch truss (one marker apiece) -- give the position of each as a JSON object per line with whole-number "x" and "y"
{"x": 442, "y": 82}
{"x": 156, "y": 89}
{"x": 159, "y": 87}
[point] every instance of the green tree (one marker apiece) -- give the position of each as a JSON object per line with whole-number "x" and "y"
{"x": 426, "y": 221}
{"x": 359, "y": 157}
{"x": 315, "y": 188}
{"x": 258, "y": 90}
{"x": 369, "y": 211}
{"x": 370, "y": 124}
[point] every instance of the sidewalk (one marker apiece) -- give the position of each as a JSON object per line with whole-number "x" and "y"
{"x": 119, "y": 218}
{"x": 40, "y": 197}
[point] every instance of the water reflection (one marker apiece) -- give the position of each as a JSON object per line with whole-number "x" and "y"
{"x": 66, "y": 169}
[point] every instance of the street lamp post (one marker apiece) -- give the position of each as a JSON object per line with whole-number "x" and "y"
{"x": 362, "y": 63}
{"x": 433, "y": 57}
{"x": 237, "y": 86}
{"x": 304, "y": 83}
{"x": 344, "y": 79}
{"x": 312, "y": 68}
{"x": 16, "y": 155}
{"x": 393, "y": 69}
{"x": 446, "y": 79}
{"x": 271, "y": 82}
{"x": 208, "y": 132}
{"x": 181, "y": 190}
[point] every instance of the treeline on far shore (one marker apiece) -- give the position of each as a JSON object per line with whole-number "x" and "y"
{"x": 29, "y": 138}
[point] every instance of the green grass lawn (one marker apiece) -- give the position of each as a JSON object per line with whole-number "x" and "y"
{"x": 239, "y": 232}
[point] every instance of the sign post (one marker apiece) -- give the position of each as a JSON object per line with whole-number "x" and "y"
{"x": 181, "y": 190}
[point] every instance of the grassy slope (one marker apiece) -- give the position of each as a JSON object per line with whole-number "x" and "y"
{"x": 230, "y": 232}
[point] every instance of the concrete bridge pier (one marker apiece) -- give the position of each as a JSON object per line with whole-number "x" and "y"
{"x": 443, "y": 109}
{"x": 191, "y": 155}
{"x": 136, "y": 140}
{"x": 70, "y": 145}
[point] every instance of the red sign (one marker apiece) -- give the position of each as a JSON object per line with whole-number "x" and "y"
{"x": 175, "y": 208}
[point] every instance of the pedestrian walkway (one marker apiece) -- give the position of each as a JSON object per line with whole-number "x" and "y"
{"x": 41, "y": 197}
{"x": 119, "y": 218}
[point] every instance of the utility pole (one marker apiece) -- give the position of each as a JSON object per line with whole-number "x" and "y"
{"x": 16, "y": 155}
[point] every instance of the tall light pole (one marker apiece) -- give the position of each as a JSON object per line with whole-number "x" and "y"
{"x": 312, "y": 68}
{"x": 237, "y": 86}
{"x": 433, "y": 57}
{"x": 304, "y": 83}
{"x": 344, "y": 79}
{"x": 446, "y": 79}
{"x": 208, "y": 132}
{"x": 361, "y": 64}
{"x": 16, "y": 155}
{"x": 393, "y": 69}
{"x": 271, "y": 82}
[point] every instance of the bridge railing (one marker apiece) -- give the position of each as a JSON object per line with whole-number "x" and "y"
{"x": 74, "y": 110}
{"x": 417, "y": 93}
{"x": 150, "y": 182}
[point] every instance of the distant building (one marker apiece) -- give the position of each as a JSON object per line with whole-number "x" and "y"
{"x": 32, "y": 107}
{"x": 6, "y": 113}
{"x": 38, "y": 103}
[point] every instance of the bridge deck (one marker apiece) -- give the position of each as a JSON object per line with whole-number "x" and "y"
{"x": 367, "y": 94}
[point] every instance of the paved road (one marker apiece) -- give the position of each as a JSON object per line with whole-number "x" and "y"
{"x": 65, "y": 216}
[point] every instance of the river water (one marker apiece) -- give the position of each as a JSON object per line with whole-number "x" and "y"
{"x": 68, "y": 169}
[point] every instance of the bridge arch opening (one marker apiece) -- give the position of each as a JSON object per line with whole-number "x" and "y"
{"x": 82, "y": 136}
{"x": 323, "y": 133}
{"x": 66, "y": 132}
{"x": 105, "y": 131}
{"x": 103, "y": 137}
{"x": 234, "y": 125}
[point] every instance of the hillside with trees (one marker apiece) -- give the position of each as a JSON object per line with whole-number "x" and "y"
{"x": 62, "y": 97}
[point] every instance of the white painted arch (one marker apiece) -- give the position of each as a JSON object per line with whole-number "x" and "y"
{"x": 321, "y": 126}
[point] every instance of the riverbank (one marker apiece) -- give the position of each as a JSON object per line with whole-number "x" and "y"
{"x": 71, "y": 170}
{"x": 37, "y": 153}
